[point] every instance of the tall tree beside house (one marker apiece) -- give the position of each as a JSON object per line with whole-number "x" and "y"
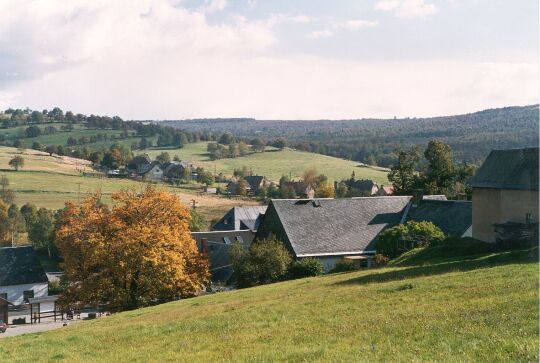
{"x": 403, "y": 175}
{"x": 138, "y": 252}
{"x": 5, "y": 226}
{"x": 17, "y": 162}
{"x": 40, "y": 231}
{"x": 440, "y": 177}
{"x": 163, "y": 157}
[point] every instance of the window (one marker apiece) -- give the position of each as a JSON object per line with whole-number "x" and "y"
{"x": 227, "y": 240}
{"x": 528, "y": 218}
{"x": 239, "y": 239}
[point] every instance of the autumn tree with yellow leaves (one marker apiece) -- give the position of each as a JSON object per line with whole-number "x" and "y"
{"x": 132, "y": 255}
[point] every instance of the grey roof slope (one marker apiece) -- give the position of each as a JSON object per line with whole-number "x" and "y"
{"x": 240, "y": 218}
{"x": 218, "y": 251}
{"x": 509, "y": 169}
{"x": 337, "y": 226}
{"x": 20, "y": 265}
{"x": 254, "y": 182}
{"x": 453, "y": 217}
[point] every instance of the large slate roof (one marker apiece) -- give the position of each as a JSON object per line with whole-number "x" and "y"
{"x": 453, "y": 217}
{"x": 218, "y": 250}
{"x": 319, "y": 227}
{"x": 20, "y": 265}
{"x": 240, "y": 218}
{"x": 509, "y": 169}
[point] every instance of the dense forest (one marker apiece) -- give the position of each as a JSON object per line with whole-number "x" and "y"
{"x": 373, "y": 141}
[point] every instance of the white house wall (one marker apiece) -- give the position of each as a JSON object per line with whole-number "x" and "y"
{"x": 15, "y": 292}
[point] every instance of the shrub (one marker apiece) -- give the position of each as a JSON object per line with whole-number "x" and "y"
{"x": 380, "y": 260}
{"x": 343, "y": 266}
{"x": 305, "y": 267}
{"x": 401, "y": 238}
{"x": 266, "y": 261}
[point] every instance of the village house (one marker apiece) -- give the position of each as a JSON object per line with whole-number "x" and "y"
{"x": 505, "y": 196}
{"x": 138, "y": 162}
{"x": 386, "y": 191}
{"x": 241, "y": 218}
{"x": 301, "y": 189}
{"x": 333, "y": 229}
{"x": 254, "y": 184}
{"x": 151, "y": 172}
{"x": 174, "y": 170}
{"x": 21, "y": 276}
{"x": 217, "y": 245}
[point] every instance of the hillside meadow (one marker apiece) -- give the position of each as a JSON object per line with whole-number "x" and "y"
{"x": 274, "y": 163}
{"x": 469, "y": 308}
{"x": 50, "y": 181}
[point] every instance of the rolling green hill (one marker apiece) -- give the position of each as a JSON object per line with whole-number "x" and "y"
{"x": 50, "y": 181}
{"x": 274, "y": 163}
{"x": 466, "y": 308}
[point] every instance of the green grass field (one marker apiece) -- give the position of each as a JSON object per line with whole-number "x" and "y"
{"x": 275, "y": 163}
{"x": 469, "y": 308}
{"x": 51, "y": 181}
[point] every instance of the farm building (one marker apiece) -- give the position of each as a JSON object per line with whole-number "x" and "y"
{"x": 332, "y": 229}
{"x": 240, "y": 218}
{"x": 217, "y": 245}
{"x": 152, "y": 171}
{"x": 505, "y": 195}
{"x": 21, "y": 275}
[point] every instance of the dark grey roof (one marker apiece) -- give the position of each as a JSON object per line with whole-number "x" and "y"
{"x": 453, "y": 217}
{"x": 240, "y": 218}
{"x": 218, "y": 250}
{"x": 254, "y": 182}
{"x": 336, "y": 226}
{"x": 138, "y": 161}
{"x": 509, "y": 169}
{"x": 361, "y": 184}
{"x": 173, "y": 169}
{"x": 20, "y": 265}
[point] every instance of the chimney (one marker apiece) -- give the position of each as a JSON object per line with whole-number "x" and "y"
{"x": 418, "y": 195}
{"x": 203, "y": 245}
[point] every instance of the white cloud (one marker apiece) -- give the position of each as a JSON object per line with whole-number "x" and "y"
{"x": 213, "y": 6}
{"x": 320, "y": 34}
{"x": 407, "y": 8}
{"x": 350, "y": 25}
{"x": 357, "y": 24}
{"x": 150, "y": 59}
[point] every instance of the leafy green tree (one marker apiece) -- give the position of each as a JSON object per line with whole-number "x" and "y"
{"x": 441, "y": 172}
{"x": 36, "y": 117}
{"x": 198, "y": 222}
{"x": 403, "y": 175}
{"x": 266, "y": 261}
{"x": 227, "y": 139}
{"x": 205, "y": 177}
{"x": 163, "y": 157}
{"x": 17, "y": 162}
{"x": 280, "y": 143}
{"x": 40, "y": 231}
{"x": 394, "y": 241}
{"x": 32, "y": 131}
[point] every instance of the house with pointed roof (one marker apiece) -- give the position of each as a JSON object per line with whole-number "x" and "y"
{"x": 333, "y": 229}
{"x": 241, "y": 218}
{"x": 505, "y": 195}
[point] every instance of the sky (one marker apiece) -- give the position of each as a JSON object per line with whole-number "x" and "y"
{"x": 268, "y": 59}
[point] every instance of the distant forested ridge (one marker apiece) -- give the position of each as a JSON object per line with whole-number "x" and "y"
{"x": 373, "y": 141}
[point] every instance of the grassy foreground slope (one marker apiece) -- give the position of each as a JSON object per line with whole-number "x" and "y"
{"x": 274, "y": 163}
{"x": 474, "y": 308}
